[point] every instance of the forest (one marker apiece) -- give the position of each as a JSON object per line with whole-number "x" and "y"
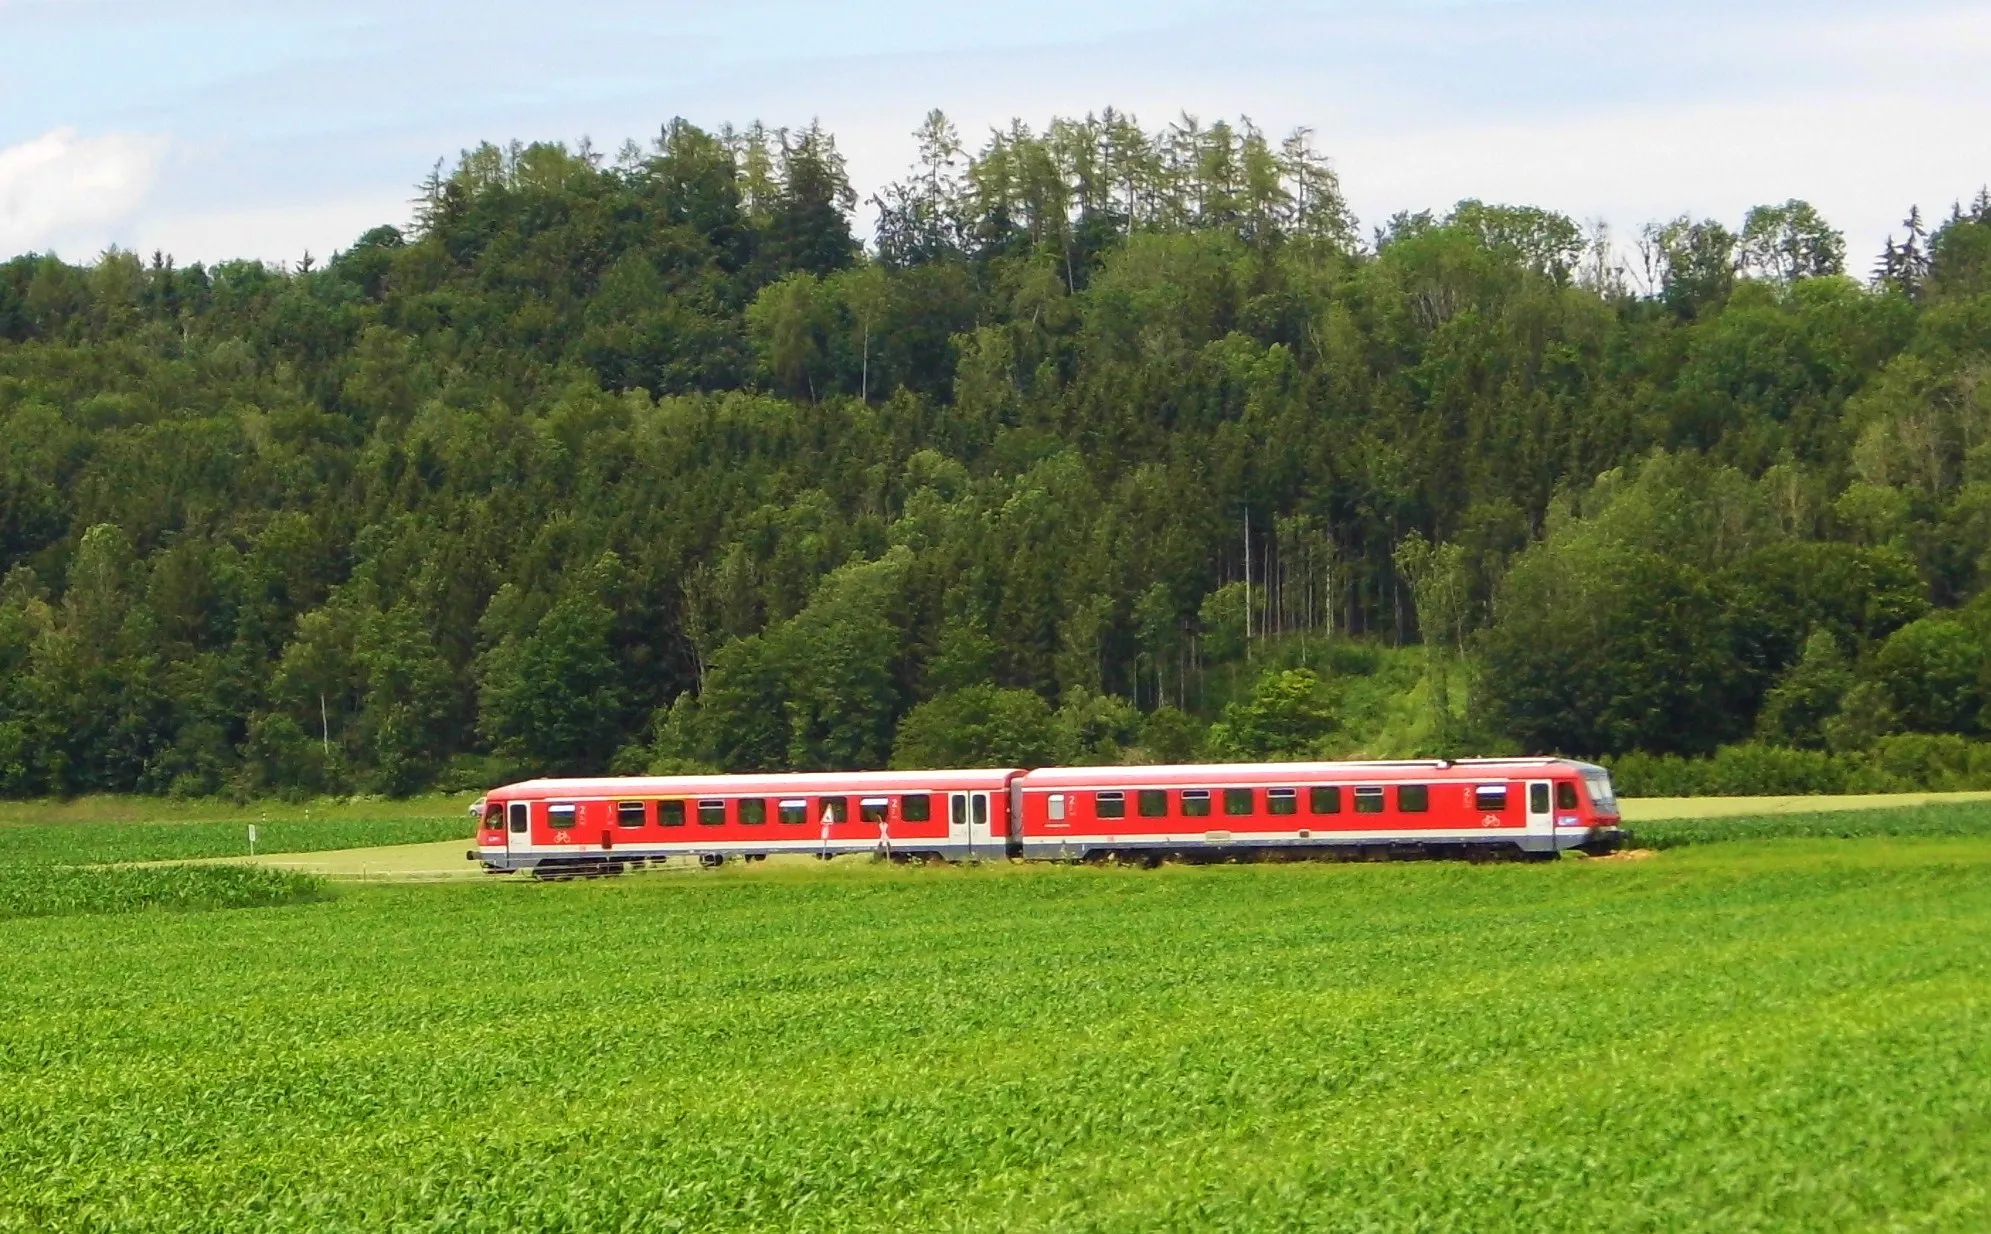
{"x": 1089, "y": 442}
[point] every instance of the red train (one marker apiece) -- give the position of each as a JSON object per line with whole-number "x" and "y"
{"x": 1529, "y": 805}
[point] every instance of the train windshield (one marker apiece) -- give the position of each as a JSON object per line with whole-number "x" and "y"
{"x": 1598, "y": 781}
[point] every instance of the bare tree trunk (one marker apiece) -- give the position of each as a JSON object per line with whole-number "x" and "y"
{"x": 1247, "y": 584}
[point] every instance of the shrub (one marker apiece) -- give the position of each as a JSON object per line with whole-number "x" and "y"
{"x": 1288, "y": 713}
{"x": 1906, "y": 762}
{"x": 979, "y": 726}
{"x": 1170, "y": 735}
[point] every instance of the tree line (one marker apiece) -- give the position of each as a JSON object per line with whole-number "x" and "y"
{"x": 1112, "y": 443}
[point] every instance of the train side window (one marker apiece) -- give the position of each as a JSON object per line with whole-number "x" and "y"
{"x": 520, "y": 812}
{"x": 670, "y": 813}
{"x": 712, "y": 813}
{"x": 560, "y": 817}
{"x": 1195, "y": 802}
{"x": 1057, "y": 807}
{"x": 1413, "y": 798}
{"x": 916, "y": 807}
{"x": 794, "y": 812}
{"x": 874, "y": 809}
{"x": 835, "y": 809}
{"x": 1152, "y": 802}
{"x": 1565, "y": 795}
{"x": 1282, "y": 801}
{"x": 1490, "y": 797}
{"x": 1109, "y": 805}
{"x": 629, "y": 814}
{"x": 1369, "y": 799}
{"x": 980, "y": 804}
{"x": 753, "y": 811}
{"x": 960, "y": 809}
{"x": 1237, "y": 801}
{"x": 1538, "y": 798}
{"x": 1324, "y": 799}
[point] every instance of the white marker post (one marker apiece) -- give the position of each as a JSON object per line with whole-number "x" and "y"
{"x": 252, "y": 839}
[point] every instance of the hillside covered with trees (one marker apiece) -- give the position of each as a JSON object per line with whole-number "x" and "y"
{"x": 1104, "y": 443}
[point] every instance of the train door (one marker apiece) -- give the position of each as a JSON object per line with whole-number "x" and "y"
{"x": 959, "y": 832}
{"x": 518, "y": 827}
{"x": 985, "y": 842}
{"x": 1541, "y": 812}
{"x": 968, "y": 825}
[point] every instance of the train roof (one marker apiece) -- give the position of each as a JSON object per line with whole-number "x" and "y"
{"x": 771, "y": 784}
{"x": 991, "y": 779}
{"x": 1219, "y": 774}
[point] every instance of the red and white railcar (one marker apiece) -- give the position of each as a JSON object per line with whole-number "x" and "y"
{"x": 554, "y": 825}
{"x": 1539, "y": 805}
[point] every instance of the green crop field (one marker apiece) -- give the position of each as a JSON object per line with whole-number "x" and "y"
{"x": 58, "y": 891}
{"x": 1941, "y": 819}
{"x": 1774, "y": 1034}
{"x": 95, "y": 830}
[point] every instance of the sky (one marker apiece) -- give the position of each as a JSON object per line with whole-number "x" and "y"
{"x": 222, "y": 128}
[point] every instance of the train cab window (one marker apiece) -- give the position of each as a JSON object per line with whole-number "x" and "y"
{"x": 670, "y": 813}
{"x": 1282, "y": 801}
{"x": 753, "y": 811}
{"x": 833, "y": 809}
{"x": 520, "y": 812}
{"x": 1369, "y": 799}
{"x": 794, "y": 812}
{"x": 629, "y": 814}
{"x": 1565, "y": 795}
{"x": 916, "y": 807}
{"x": 1152, "y": 802}
{"x": 1237, "y": 801}
{"x": 1324, "y": 799}
{"x": 874, "y": 809}
{"x": 1538, "y": 799}
{"x": 560, "y": 817}
{"x": 1109, "y": 805}
{"x": 1413, "y": 798}
{"x": 1195, "y": 802}
{"x": 712, "y": 813}
{"x": 1490, "y": 797}
{"x": 1057, "y": 805}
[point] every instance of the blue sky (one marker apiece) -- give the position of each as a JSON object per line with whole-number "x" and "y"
{"x": 215, "y": 128}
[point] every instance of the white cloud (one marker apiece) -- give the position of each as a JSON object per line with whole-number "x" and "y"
{"x": 61, "y": 190}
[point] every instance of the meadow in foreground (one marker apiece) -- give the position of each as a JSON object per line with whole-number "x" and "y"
{"x": 1792, "y": 1034}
